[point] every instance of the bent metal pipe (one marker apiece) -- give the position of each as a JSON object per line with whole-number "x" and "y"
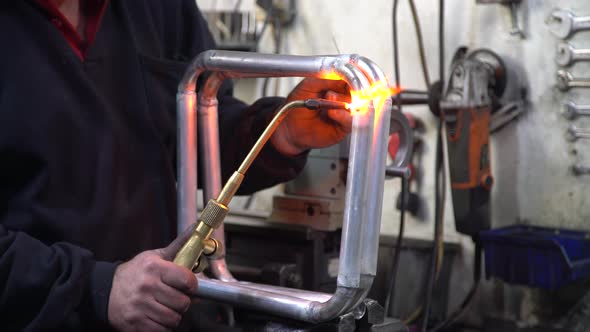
{"x": 359, "y": 226}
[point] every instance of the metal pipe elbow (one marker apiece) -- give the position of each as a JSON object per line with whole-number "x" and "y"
{"x": 336, "y": 306}
{"x": 344, "y": 299}
{"x": 399, "y": 123}
{"x": 195, "y": 68}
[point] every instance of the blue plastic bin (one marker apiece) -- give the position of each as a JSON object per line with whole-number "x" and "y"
{"x": 536, "y": 256}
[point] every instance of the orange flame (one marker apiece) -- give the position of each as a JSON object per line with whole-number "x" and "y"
{"x": 378, "y": 93}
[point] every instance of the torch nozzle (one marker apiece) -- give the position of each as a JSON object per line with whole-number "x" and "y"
{"x": 324, "y": 104}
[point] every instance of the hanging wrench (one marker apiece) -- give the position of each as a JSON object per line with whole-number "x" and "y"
{"x": 567, "y": 54}
{"x": 566, "y": 81}
{"x": 579, "y": 169}
{"x": 571, "y": 110}
{"x": 564, "y": 23}
{"x": 573, "y": 133}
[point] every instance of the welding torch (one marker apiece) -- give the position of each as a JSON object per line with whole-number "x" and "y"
{"x": 216, "y": 210}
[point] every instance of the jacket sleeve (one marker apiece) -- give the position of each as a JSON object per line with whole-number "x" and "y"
{"x": 42, "y": 286}
{"x": 240, "y": 125}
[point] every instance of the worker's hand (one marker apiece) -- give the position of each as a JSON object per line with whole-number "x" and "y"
{"x": 149, "y": 292}
{"x": 304, "y": 129}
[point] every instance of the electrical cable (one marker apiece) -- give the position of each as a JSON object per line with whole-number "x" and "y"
{"x": 438, "y": 210}
{"x": 441, "y": 42}
{"x": 265, "y": 25}
{"x": 398, "y": 246}
{"x": 278, "y": 33}
{"x": 438, "y": 240}
{"x": 267, "y": 18}
{"x": 414, "y": 92}
{"x": 395, "y": 263}
{"x": 265, "y": 83}
{"x": 470, "y": 295}
{"x": 420, "y": 42}
{"x": 424, "y": 65}
{"x": 235, "y": 17}
{"x": 277, "y": 38}
{"x": 437, "y": 230}
{"x": 451, "y": 319}
{"x": 439, "y": 220}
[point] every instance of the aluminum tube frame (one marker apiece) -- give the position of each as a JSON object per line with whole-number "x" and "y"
{"x": 299, "y": 293}
{"x": 375, "y": 74}
{"x": 186, "y": 144}
{"x": 353, "y": 284}
{"x": 234, "y": 293}
{"x": 208, "y": 130}
{"x": 370, "y": 244}
{"x": 212, "y": 186}
{"x": 383, "y": 118}
{"x": 247, "y": 64}
{"x": 209, "y": 143}
{"x": 353, "y": 232}
{"x": 291, "y": 306}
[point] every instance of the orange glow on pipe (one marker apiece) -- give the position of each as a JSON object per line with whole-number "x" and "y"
{"x": 378, "y": 93}
{"x": 330, "y": 75}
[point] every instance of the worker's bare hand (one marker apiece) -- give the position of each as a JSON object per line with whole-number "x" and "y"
{"x": 149, "y": 292}
{"x": 305, "y": 129}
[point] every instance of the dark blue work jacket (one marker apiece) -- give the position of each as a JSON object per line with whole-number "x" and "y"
{"x": 87, "y": 153}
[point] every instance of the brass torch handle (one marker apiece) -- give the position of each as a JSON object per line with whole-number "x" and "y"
{"x": 211, "y": 217}
{"x": 189, "y": 254}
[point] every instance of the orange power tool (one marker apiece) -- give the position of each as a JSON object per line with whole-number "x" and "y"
{"x": 476, "y": 82}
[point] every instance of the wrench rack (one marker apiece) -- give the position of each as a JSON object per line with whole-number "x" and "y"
{"x": 563, "y": 24}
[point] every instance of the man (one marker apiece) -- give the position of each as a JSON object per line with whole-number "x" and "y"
{"x": 87, "y": 159}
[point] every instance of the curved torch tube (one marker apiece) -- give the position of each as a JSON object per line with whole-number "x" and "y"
{"x": 216, "y": 209}
{"x": 354, "y": 278}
